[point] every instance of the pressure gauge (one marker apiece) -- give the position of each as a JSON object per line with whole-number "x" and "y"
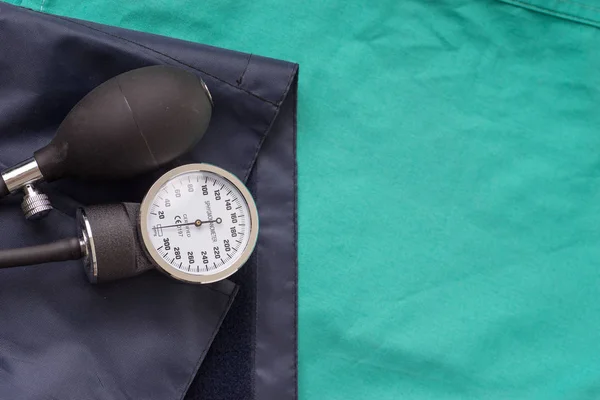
{"x": 198, "y": 223}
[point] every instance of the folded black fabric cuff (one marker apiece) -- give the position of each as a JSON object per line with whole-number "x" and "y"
{"x": 145, "y": 338}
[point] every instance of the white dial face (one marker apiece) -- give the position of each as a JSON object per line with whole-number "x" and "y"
{"x": 199, "y": 223}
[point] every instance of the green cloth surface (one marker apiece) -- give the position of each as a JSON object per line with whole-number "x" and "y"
{"x": 449, "y": 187}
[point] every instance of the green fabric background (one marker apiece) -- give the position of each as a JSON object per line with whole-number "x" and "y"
{"x": 449, "y": 199}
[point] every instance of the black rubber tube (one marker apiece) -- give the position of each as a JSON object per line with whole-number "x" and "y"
{"x": 3, "y": 189}
{"x": 62, "y": 250}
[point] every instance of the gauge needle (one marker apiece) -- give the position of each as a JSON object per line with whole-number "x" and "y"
{"x": 197, "y": 223}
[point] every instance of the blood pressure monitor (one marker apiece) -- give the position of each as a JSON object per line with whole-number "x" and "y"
{"x": 197, "y": 223}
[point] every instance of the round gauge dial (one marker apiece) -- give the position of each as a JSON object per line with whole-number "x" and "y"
{"x": 199, "y": 223}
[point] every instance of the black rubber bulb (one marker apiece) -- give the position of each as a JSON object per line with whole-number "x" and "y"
{"x": 131, "y": 124}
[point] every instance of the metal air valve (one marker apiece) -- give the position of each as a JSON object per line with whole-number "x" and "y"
{"x": 35, "y": 204}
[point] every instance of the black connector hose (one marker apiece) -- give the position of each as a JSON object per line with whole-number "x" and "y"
{"x": 62, "y": 250}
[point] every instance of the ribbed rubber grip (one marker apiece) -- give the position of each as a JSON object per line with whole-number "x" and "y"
{"x": 117, "y": 245}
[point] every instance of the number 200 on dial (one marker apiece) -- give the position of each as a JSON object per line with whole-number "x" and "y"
{"x": 199, "y": 223}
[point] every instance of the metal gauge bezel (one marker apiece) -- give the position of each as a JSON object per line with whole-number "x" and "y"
{"x": 167, "y": 268}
